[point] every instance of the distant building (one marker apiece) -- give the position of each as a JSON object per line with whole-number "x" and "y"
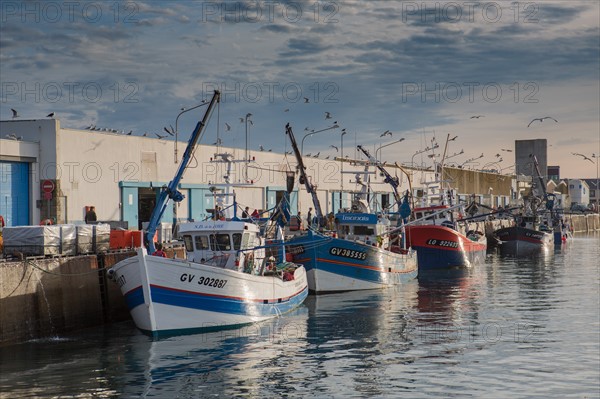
{"x": 554, "y": 173}
{"x": 579, "y": 191}
{"x": 524, "y": 164}
{"x": 594, "y": 192}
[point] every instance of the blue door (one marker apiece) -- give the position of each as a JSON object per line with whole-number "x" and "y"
{"x": 14, "y": 193}
{"x": 129, "y": 206}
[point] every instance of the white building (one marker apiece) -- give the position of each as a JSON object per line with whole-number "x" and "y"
{"x": 579, "y": 192}
{"x": 121, "y": 176}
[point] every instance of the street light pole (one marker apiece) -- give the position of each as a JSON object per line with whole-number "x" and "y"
{"x": 342, "y": 168}
{"x": 385, "y": 145}
{"x": 247, "y": 156}
{"x": 183, "y": 111}
{"x": 335, "y": 126}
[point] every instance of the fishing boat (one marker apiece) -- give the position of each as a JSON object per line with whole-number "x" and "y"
{"x": 439, "y": 243}
{"x": 225, "y": 281}
{"x": 537, "y": 227}
{"x": 357, "y": 255}
{"x": 433, "y": 232}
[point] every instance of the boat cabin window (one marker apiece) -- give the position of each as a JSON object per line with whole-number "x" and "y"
{"x": 201, "y": 242}
{"x": 363, "y": 231}
{"x": 237, "y": 240}
{"x": 189, "y": 244}
{"x": 245, "y": 240}
{"x": 220, "y": 242}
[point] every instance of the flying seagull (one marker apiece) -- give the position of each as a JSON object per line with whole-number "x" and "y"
{"x": 227, "y": 127}
{"x": 159, "y": 136}
{"x": 50, "y": 115}
{"x": 241, "y": 120}
{"x": 306, "y": 100}
{"x": 15, "y": 113}
{"x": 336, "y": 149}
{"x": 327, "y": 115}
{"x": 583, "y": 156}
{"x": 286, "y": 110}
{"x": 386, "y": 133}
{"x": 542, "y": 119}
{"x": 476, "y": 116}
{"x": 453, "y": 138}
{"x": 168, "y": 131}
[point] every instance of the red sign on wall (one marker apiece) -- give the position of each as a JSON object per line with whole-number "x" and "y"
{"x": 48, "y": 186}
{"x": 47, "y": 196}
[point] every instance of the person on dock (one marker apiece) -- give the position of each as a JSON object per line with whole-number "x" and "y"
{"x": 309, "y": 218}
{"x": 90, "y": 216}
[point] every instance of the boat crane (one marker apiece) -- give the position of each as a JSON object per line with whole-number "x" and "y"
{"x": 310, "y": 188}
{"x": 391, "y": 180}
{"x": 170, "y": 192}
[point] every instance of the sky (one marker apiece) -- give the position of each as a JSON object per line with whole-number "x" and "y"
{"x": 417, "y": 69}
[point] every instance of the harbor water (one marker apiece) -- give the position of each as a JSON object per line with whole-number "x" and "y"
{"x": 507, "y": 328}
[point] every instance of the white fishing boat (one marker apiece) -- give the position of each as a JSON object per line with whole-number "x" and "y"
{"x": 225, "y": 281}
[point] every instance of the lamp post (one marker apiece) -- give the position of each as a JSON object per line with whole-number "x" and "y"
{"x": 385, "y": 145}
{"x": 335, "y": 126}
{"x": 597, "y": 191}
{"x": 183, "y": 111}
{"x": 420, "y": 152}
{"x": 342, "y": 168}
{"x": 247, "y": 156}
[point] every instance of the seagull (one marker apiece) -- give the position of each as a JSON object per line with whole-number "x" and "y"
{"x": 270, "y": 149}
{"x": 11, "y": 136}
{"x": 261, "y": 148}
{"x": 327, "y": 115}
{"x": 288, "y": 153}
{"x": 241, "y": 120}
{"x": 504, "y": 149}
{"x": 129, "y": 134}
{"x": 168, "y": 131}
{"x": 145, "y": 134}
{"x": 306, "y": 129}
{"x": 286, "y": 110}
{"x": 336, "y": 149}
{"x": 159, "y": 136}
{"x": 386, "y": 133}
{"x": 306, "y": 100}
{"x": 498, "y": 155}
{"x": 251, "y": 123}
{"x": 453, "y": 138}
{"x": 50, "y": 115}
{"x": 227, "y": 127}
{"x": 308, "y": 155}
{"x": 327, "y": 157}
{"x": 218, "y": 142}
{"x": 476, "y": 116}
{"x": 542, "y": 119}
{"x": 583, "y": 156}
{"x": 317, "y": 154}
{"x": 15, "y": 113}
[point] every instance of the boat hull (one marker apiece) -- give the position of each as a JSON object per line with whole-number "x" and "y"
{"x": 440, "y": 247}
{"x": 167, "y": 296}
{"x": 522, "y": 241}
{"x": 336, "y": 265}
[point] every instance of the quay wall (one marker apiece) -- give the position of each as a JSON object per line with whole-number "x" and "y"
{"x": 44, "y": 297}
{"x": 584, "y": 223}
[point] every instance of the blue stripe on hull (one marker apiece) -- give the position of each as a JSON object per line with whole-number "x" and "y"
{"x": 372, "y": 269}
{"x": 434, "y": 258}
{"x": 214, "y": 303}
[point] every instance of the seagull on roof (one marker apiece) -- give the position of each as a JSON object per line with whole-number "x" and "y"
{"x": 386, "y": 133}
{"x": 306, "y": 100}
{"x": 327, "y": 157}
{"x": 50, "y": 115}
{"x": 327, "y": 115}
{"x": 227, "y": 127}
{"x": 583, "y": 156}
{"x": 308, "y": 155}
{"x": 270, "y": 149}
{"x": 130, "y": 132}
{"x": 541, "y": 120}
{"x": 261, "y": 148}
{"x": 15, "y": 113}
{"x": 333, "y": 146}
{"x": 145, "y": 134}
{"x": 477, "y": 116}
{"x": 317, "y": 154}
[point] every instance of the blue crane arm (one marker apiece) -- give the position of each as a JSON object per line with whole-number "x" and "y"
{"x": 389, "y": 179}
{"x": 170, "y": 192}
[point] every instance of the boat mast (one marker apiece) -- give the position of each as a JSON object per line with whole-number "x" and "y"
{"x": 170, "y": 192}
{"x": 310, "y": 188}
{"x": 391, "y": 180}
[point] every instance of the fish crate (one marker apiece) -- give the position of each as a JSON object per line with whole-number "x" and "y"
{"x": 93, "y": 238}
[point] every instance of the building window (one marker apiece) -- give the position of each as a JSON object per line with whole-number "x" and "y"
{"x": 593, "y": 193}
{"x": 571, "y": 186}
